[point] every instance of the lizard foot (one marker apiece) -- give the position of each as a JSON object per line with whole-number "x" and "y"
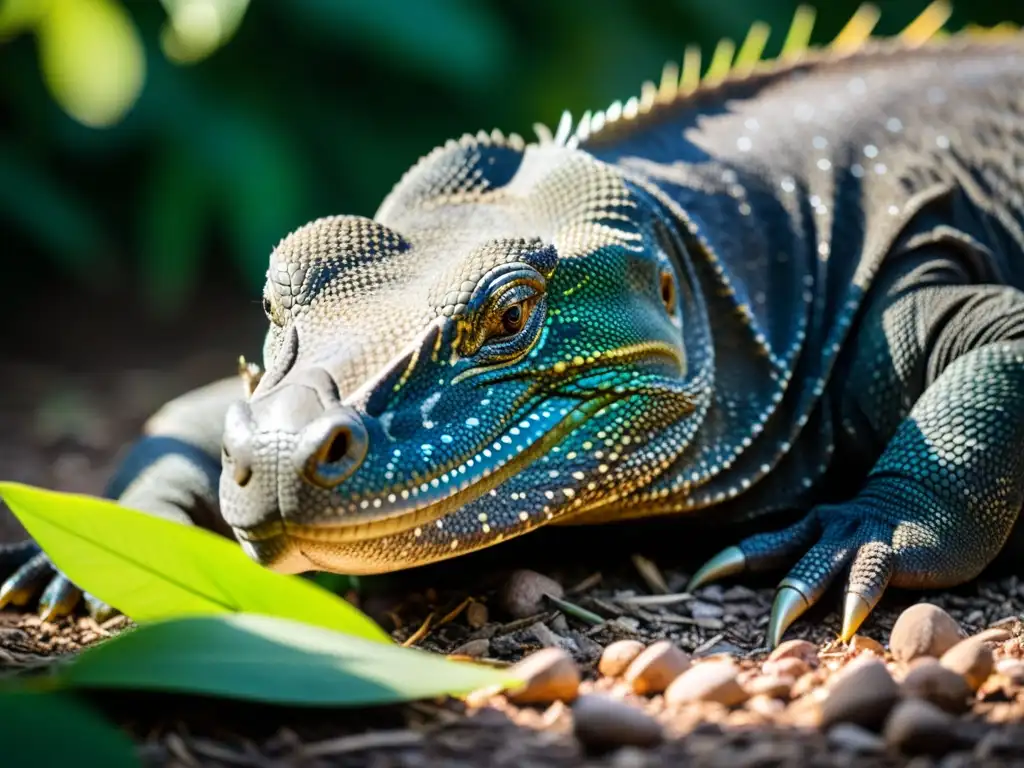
{"x": 832, "y": 538}
{"x": 33, "y": 574}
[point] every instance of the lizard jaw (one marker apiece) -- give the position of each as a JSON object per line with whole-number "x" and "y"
{"x": 428, "y": 502}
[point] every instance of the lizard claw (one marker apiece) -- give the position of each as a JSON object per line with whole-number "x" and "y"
{"x": 855, "y": 610}
{"x": 10, "y": 594}
{"x": 789, "y": 604}
{"x": 59, "y": 598}
{"x": 26, "y": 581}
{"x": 33, "y": 574}
{"x": 728, "y": 562}
{"x": 99, "y": 610}
{"x": 831, "y": 539}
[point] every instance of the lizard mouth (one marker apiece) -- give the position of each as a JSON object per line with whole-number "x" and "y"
{"x": 510, "y": 452}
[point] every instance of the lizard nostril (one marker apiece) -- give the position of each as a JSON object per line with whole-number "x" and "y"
{"x": 331, "y": 448}
{"x": 337, "y": 445}
{"x": 243, "y": 474}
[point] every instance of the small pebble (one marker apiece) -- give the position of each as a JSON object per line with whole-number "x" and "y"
{"x": 1012, "y": 669}
{"x": 630, "y": 757}
{"x": 791, "y": 666}
{"x": 738, "y": 594}
{"x": 796, "y": 649}
{"x": 862, "y": 694}
{"x": 560, "y": 624}
{"x": 474, "y": 648}
{"x": 713, "y": 592}
{"x": 971, "y": 658}
{"x": 589, "y": 649}
{"x": 548, "y": 675}
{"x": 618, "y": 656}
{"x": 993, "y": 635}
{"x": 547, "y": 638}
{"x": 765, "y": 705}
{"x": 773, "y": 686}
{"x": 713, "y": 681}
{"x": 555, "y": 712}
{"x": 721, "y": 646}
{"x": 861, "y": 643}
{"x": 655, "y": 667}
{"x": 933, "y": 682}
{"x": 701, "y": 610}
{"x": 999, "y": 743}
{"x": 602, "y": 723}
{"x": 923, "y": 630}
{"x": 476, "y": 615}
{"x": 523, "y": 593}
{"x": 804, "y": 712}
{"x": 806, "y": 683}
{"x": 918, "y": 727}
{"x": 853, "y": 738}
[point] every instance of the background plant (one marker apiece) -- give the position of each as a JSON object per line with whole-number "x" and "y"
{"x": 147, "y": 145}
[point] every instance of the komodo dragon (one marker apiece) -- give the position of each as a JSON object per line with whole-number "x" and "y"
{"x": 730, "y": 296}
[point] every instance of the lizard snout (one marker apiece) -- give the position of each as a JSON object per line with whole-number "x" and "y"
{"x": 294, "y": 429}
{"x": 285, "y": 452}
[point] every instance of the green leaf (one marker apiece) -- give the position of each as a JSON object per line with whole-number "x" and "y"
{"x": 92, "y": 59}
{"x": 196, "y": 28}
{"x": 150, "y": 569}
{"x": 45, "y": 729}
{"x": 18, "y": 15}
{"x": 272, "y": 660}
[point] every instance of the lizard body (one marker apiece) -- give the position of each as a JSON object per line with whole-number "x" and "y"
{"x": 731, "y": 298}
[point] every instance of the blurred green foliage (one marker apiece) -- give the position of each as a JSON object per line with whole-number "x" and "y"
{"x": 145, "y": 144}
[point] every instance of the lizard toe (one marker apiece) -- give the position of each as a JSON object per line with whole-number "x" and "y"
{"x": 870, "y": 571}
{"x": 26, "y": 582}
{"x": 763, "y": 552}
{"x": 59, "y": 598}
{"x": 32, "y": 574}
{"x": 729, "y": 562}
{"x": 851, "y": 539}
{"x": 99, "y": 610}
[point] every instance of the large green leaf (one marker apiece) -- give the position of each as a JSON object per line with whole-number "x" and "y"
{"x": 152, "y": 569}
{"x": 29, "y": 723}
{"x": 273, "y": 660}
{"x": 18, "y": 15}
{"x": 92, "y": 58}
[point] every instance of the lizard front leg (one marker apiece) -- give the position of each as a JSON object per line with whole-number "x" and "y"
{"x": 943, "y": 497}
{"x": 172, "y": 471}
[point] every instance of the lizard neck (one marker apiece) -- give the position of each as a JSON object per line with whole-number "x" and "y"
{"x": 746, "y": 346}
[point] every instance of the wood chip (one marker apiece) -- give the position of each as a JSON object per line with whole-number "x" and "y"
{"x": 362, "y": 742}
{"x": 651, "y": 574}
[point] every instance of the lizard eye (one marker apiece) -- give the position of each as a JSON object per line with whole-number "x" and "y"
{"x": 507, "y": 322}
{"x": 668, "y": 292}
{"x": 268, "y": 310}
{"x": 512, "y": 319}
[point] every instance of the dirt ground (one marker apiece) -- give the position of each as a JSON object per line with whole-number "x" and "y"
{"x": 72, "y": 399}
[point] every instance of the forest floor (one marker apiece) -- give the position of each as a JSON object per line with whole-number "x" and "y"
{"x": 73, "y": 399}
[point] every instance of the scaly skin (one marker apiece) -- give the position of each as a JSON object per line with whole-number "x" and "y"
{"x": 716, "y": 299}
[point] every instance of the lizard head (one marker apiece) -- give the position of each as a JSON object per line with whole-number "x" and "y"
{"x": 490, "y": 353}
